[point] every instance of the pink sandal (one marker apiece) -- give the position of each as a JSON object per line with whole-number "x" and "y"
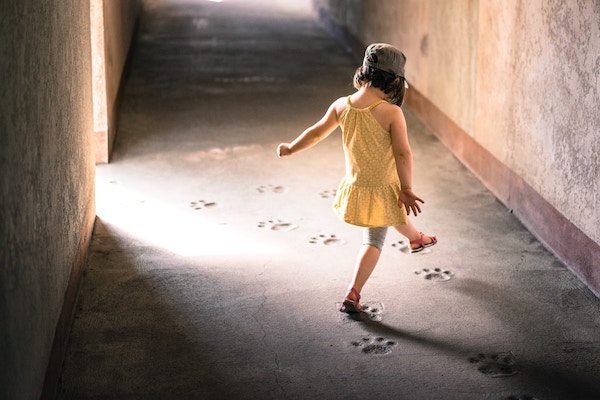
{"x": 351, "y": 305}
{"x": 421, "y": 244}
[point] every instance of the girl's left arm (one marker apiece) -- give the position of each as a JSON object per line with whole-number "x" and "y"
{"x": 312, "y": 135}
{"x": 404, "y": 163}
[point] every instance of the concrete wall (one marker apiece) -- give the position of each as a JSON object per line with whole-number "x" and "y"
{"x": 113, "y": 25}
{"x": 513, "y": 89}
{"x": 548, "y": 108}
{"x": 47, "y": 178}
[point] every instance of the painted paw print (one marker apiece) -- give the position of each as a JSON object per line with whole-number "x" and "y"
{"x": 202, "y": 204}
{"x": 435, "y": 274}
{"x": 327, "y": 194}
{"x": 371, "y": 311}
{"x": 327, "y": 240}
{"x": 401, "y": 245}
{"x": 377, "y": 345}
{"x": 271, "y": 188}
{"x": 278, "y": 225}
{"x": 495, "y": 365}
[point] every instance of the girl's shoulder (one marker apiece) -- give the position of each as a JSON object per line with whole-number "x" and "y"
{"x": 388, "y": 109}
{"x": 340, "y": 104}
{"x": 342, "y": 101}
{"x": 388, "y": 115}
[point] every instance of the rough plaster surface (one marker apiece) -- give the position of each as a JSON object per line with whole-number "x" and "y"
{"x": 546, "y": 126}
{"x": 520, "y": 77}
{"x": 119, "y": 23}
{"x": 113, "y": 24}
{"x": 46, "y": 184}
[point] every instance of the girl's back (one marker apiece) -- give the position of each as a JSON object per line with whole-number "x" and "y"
{"x": 383, "y": 113}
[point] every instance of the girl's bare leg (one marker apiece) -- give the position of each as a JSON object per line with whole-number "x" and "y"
{"x": 409, "y": 231}
{"x": 365, "y": 264}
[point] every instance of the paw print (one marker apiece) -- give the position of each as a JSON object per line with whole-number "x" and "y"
{"x": 435, "y": 274}
{"x": 371, "y": 311}
{"x": 278, "y": 225}
{"x": 495, "y": 365}
{"x": 374, "y": 311}
{"x": 271, "y": 188}
{"x": 202, "y": 204}
{"x": 327, "y": 240}
{"x": 401, "y": 245}
{"x": 327, "y": 194}
{"x": 377, "y": 345}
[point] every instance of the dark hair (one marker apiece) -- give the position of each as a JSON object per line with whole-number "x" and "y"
{"x": 388, "y": 82}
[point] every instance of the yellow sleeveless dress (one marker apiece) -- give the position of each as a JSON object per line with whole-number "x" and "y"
{"x": 368, "y": 193}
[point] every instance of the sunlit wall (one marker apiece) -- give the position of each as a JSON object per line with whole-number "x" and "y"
{"x": 112, "y": 26}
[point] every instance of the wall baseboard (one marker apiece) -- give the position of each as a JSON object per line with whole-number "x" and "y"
{"x": 67, "y": 314}
{"x": 559, "y": 235}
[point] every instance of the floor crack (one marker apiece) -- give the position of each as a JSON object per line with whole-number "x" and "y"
{"x": 264, "y": 331}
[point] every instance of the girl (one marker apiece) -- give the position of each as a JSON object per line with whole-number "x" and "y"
{"x": 376, "y": 191}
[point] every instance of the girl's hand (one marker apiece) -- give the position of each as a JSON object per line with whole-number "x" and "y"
{"x": 284, "y": 150}
{"x": 409, "y": 200}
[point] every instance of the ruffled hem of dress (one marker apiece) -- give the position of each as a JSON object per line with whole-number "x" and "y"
{"x": 369, "y": 206}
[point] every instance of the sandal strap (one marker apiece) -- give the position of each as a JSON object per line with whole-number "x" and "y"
{"x": 355, "y": 292}
{"x": 419, "y": 240}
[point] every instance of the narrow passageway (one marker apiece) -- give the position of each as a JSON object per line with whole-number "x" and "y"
{"x": 216, "y": 268}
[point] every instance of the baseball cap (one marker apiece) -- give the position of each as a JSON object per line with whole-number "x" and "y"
{"x": 385, "y": 57}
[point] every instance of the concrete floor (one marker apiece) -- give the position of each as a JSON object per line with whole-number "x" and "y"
{"x": 216, "y": 268}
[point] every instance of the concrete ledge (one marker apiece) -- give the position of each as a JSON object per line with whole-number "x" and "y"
{"x": 559, "y": 235}
{"x": 67, "y": 314}
{"x": 113, "y": 28}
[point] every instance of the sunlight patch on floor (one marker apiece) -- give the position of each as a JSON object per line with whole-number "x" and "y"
{"x": 164, "y": 226}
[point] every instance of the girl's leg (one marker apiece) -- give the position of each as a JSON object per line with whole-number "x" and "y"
{"x": 409, "y": 231}
{"x": 368, "y": 255}
{"x": 365, "y": 264}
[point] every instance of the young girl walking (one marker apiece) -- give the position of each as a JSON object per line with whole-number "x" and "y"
{"x": 376, "y": 191}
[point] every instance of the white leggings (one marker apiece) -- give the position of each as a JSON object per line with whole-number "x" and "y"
{"x": 375, "y": 236}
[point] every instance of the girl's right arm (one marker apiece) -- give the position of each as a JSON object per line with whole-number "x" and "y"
{"x": 313, "y": 134}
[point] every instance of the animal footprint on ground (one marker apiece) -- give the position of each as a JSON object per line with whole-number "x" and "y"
{"x": 435, "y": 274}
{"x": 202, "y": 204}
{"x": 327, "y": 240}
{"x": 326, "y": 194}
{"x": 374, "y": 311}
{"x": 495, "y": 365}
{"x": 271, "y": 188}
{"x": 401, "y": 245}
{"x": 371, "y": 311}
{"x": 278, "y": 225}
{"x": 376, "y": 345}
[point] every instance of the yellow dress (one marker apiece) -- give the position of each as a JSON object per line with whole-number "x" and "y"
{"x": 368, "y": 193}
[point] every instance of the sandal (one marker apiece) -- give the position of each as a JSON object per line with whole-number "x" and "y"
{"x": 421, "y": 244}
{"x": 351, "y": 306}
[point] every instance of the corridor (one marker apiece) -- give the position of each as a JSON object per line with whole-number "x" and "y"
{"x": 216, "y": 269}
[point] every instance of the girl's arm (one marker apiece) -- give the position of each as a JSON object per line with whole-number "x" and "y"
{"x": 404, "y": 163}
{"x": 313, "y": 134}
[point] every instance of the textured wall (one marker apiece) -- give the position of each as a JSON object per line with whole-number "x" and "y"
{"x": 115, "y": 21}
{"x": 46, "y": 181}
{"x": 439, "y": 39}
{"x": 538, "y": 96}
{"x": 520, "y": 77}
